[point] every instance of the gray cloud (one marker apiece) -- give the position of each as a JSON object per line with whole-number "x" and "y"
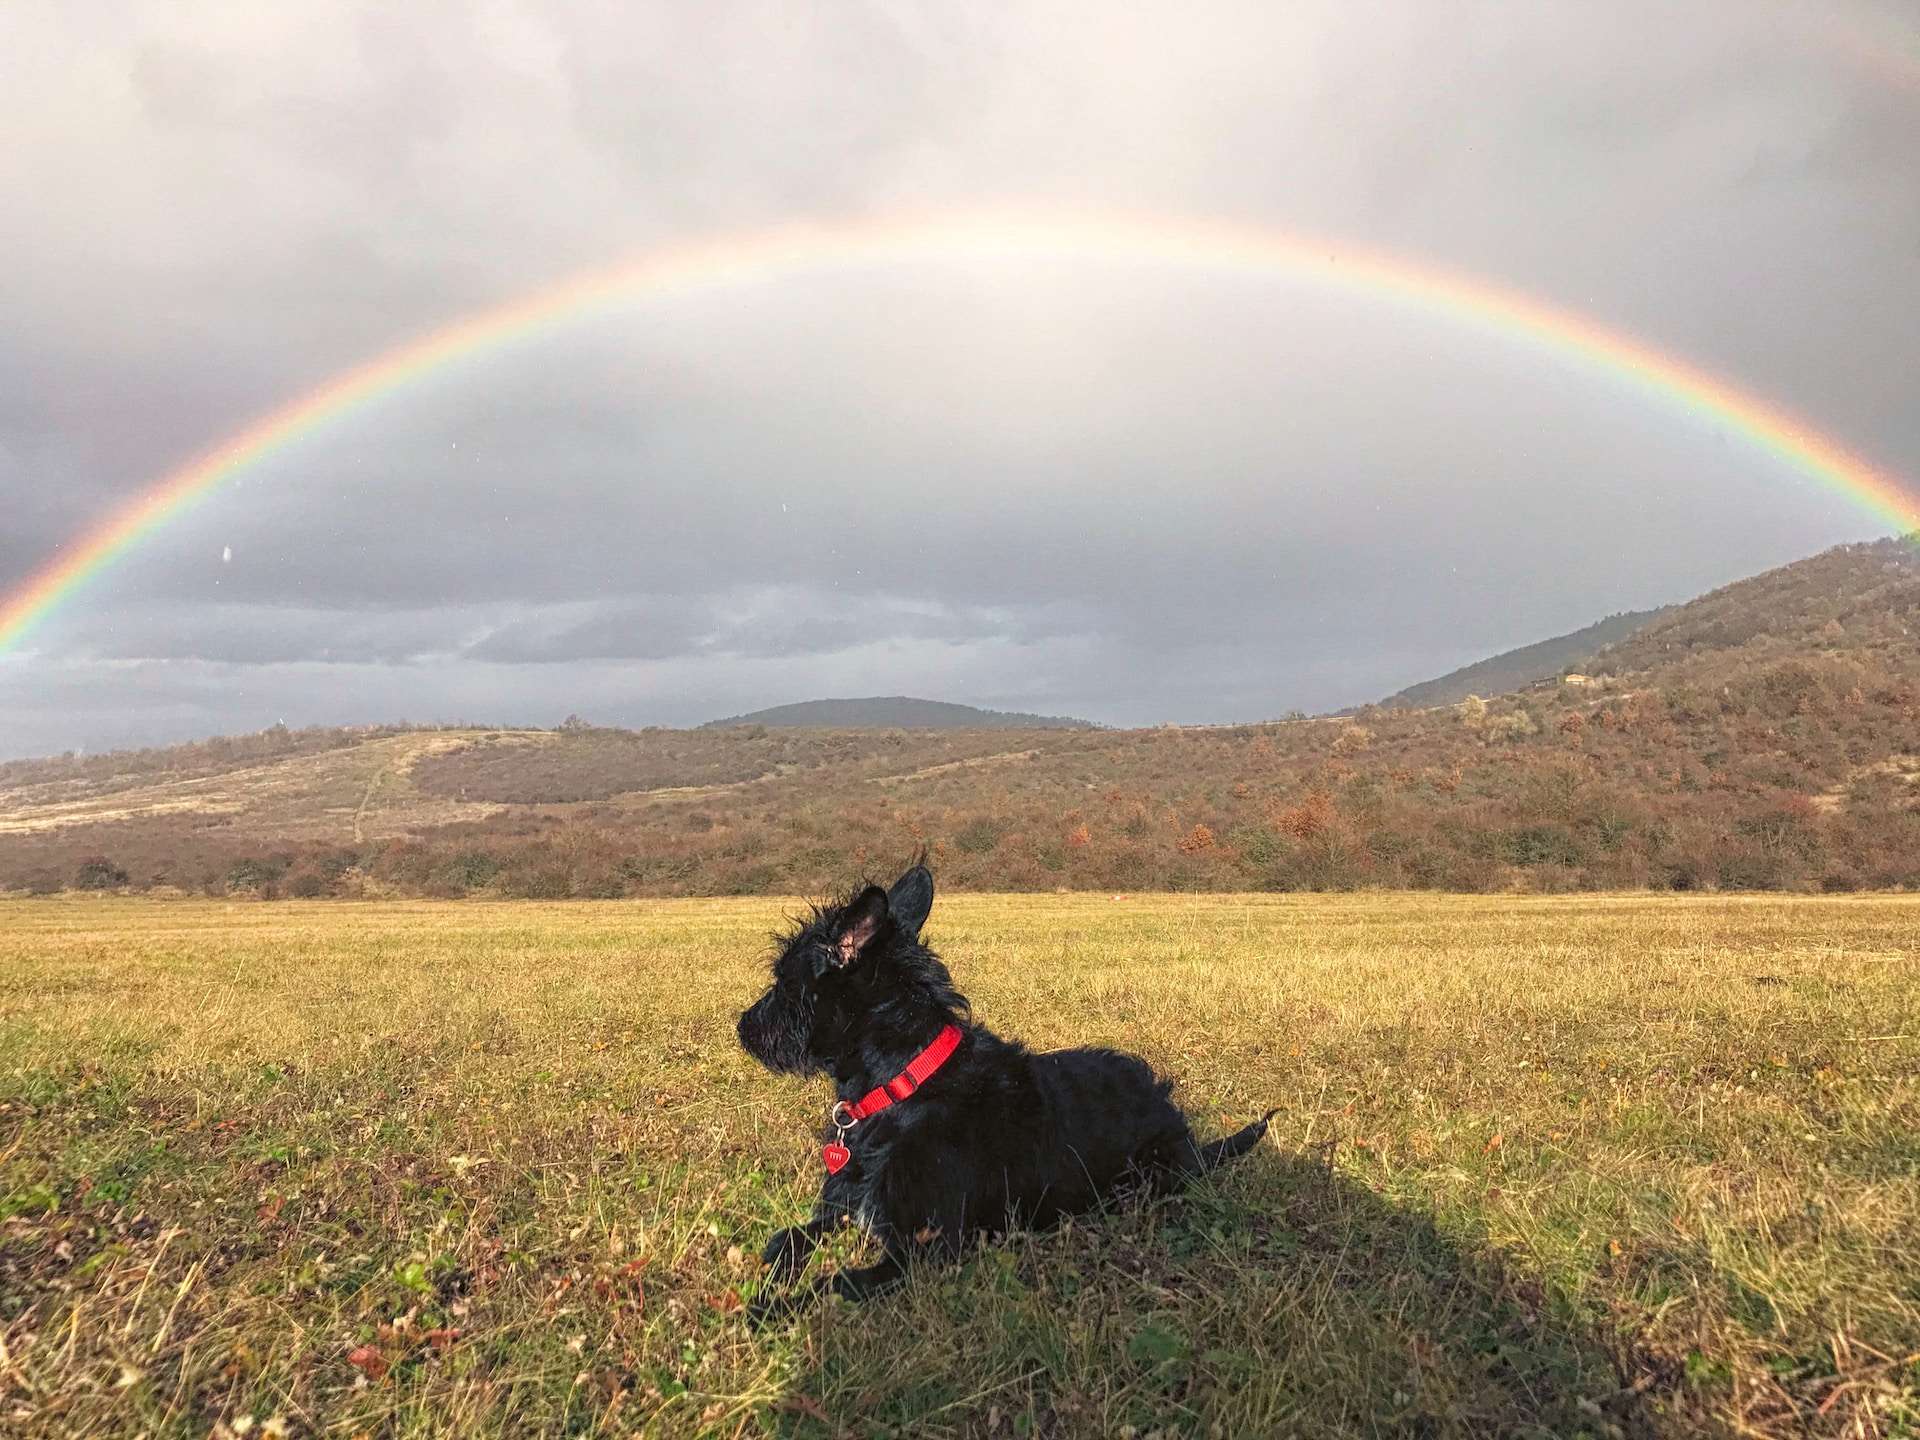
{"x": 1134, "y": 492}
{"x": 244, "y": 634}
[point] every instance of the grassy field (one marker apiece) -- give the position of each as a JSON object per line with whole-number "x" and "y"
{"x": 1543, "y": 1167}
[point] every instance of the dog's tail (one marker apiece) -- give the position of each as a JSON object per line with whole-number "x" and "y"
{"x": 1235, "y": 1145}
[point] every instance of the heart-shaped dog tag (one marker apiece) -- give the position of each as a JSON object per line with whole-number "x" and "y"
{"x": 836, "y": 1157}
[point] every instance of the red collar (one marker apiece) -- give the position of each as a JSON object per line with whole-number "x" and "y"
{"x": 919, "y": 1070}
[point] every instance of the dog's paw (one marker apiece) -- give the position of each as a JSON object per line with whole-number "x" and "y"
{"x": 768, "y": 1309}
{"x": 786, "y": 1252}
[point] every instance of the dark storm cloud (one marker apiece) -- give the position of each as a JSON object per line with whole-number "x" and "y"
{"x": 669, "y": 626}
{"x": 1137, "y": 493}
{"x": 244, "y": 634}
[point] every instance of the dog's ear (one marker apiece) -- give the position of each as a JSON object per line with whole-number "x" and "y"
{"x": 858, "y": 924}
{"x": 910, "y": 900}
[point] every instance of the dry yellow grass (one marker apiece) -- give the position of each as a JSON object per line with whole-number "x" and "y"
{"x": 351, "y": 793}
{"x": 1621, "y": 1165}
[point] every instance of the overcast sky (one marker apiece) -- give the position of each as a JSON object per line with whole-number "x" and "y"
{"x": 1132, "y": 492}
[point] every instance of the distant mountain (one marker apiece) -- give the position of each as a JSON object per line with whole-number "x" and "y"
{"x": 1516, "y": 669}
{"x": 898, "y": 712}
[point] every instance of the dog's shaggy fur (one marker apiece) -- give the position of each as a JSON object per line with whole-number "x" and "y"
{"x": 997, "y": 1138}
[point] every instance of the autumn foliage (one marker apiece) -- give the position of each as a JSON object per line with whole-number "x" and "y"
{"x": 1765, "y": 737}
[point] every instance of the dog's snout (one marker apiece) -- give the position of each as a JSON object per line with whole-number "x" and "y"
{"x": 749, "y": 1028}
{"x": 771, "y": 1034}
{"x": 753, "y": 1031}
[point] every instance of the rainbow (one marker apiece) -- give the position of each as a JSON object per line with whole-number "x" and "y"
{"x": 974, "y": 236}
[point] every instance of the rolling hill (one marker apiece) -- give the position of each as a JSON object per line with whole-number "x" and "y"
{"x": 1528, "y": 665}
{"x": 1764, "y": 736}
{"x": 898, "y": 712}
{"x": 1860, "y": 602}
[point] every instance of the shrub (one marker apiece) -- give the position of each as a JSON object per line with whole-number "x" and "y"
{"x": 309, "y": 882}
{"x": 1790, "y": 688}
{"x": 1352, "y": 740}
{"x": 1510, "y": 725}
{"x": 467, "y": 870}
{"x": 1540, "y": 845}
{"x": 1331, "y": 860}
{"x": 1785, "y": 829}
{"x": 1752, "y": 870}
{"x": 543, "y": 878}
{"x": 255, "y": 874}
{"x": 97, "y": 872}
{"x": 1195, "y": 841}
{"x": 978, "y": 836}
{"x": 1309, "y": 818}
{"x": 1257, "y": 845}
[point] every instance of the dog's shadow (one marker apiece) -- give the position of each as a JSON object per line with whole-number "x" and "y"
{"x": 1278, "y": 1298}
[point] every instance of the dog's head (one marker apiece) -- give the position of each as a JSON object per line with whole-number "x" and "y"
{"x": 856, "y": 966}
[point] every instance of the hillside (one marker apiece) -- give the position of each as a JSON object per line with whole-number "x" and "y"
{"x": 1861, "y": 602}
{"x": 1528, "y": 665}
{"x": 1765, "y": 736}
{"x": 898, "y": 712}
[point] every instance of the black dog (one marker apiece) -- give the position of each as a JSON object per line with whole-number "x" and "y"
{"x": 942, "y": 1130}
